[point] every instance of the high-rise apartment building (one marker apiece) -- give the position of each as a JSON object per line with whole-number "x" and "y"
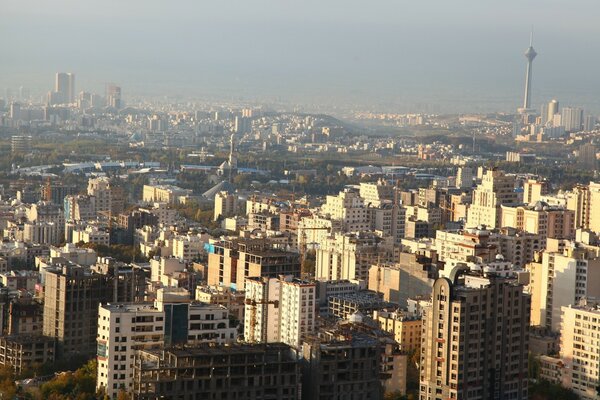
{"x": 64, "y": 87}
{"x": 474, "y": 339}
{"x": 584, "y": 200}
{"x": 552, "y": 111}
{"x": 534, "y": 189}
{"x": 109, "y": 197}
{"x": 563, "y": 275}
{"x": 226, "y": 205}
{"x": 124, "y": 328}
{"x": 572, "y": 119}
{"x": 542, "y": 219}
{"x": 71, "y": 297}
{"x": 496, "y": 189}
{"x": 341, "y": 369}
{"x": 579, "y": 349}
{"x": 349, "y": 256}
{"x": 279, "y": 310}
{"x": 464, "y": 178}
{"x": 587, "y": 156}
{"x": 232, "y": 260}
{"x": 412, "y": 275}
{"x": 113, "y": 96}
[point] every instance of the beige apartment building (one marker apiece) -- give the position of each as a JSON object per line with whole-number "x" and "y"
{"x": 474, "y": 339}
{"x": 495, "y": 190}
{"x": 350, "y": 255}
{"x": 579, "y": 350}
{"x": 563, "y": 275}
{"x": 413, "y": 275}
{"x": 540, "y": 218}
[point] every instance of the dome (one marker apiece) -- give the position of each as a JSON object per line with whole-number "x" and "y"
{"x": 540, "y": 206}
{"x": 499, "y": 257}
{"x": 356, "y": 317}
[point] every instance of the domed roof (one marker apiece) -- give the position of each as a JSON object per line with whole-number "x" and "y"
{"x": 540, "y": 205}
{"x": 356, "y": 317}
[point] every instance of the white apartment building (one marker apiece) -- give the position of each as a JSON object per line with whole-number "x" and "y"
{"x": 279, "y": 310}
{"x": 297, "y": 314}
{"x": 42, "y": 232}
{"x": 349, "y": 256}
{"x": 165, "y": 266}
{"x": 91, "y": 234}
{"x": 187, "y": 247}
{"x": 124, "y": 328}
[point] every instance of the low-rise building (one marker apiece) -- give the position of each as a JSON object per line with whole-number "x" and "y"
{"x": 21, "y": 352}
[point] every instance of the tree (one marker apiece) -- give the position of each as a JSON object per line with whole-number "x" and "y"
{"x": 123, "y": 395}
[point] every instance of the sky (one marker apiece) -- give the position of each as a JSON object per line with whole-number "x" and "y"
{"x": 388, "y": 55}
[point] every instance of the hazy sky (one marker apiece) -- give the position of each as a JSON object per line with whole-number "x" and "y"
{"x": 461, "y": 55}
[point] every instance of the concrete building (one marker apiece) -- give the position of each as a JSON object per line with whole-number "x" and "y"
{"x": 20, "y": 144}
{"x": 232, "y": 260}
{"x": 377, "y": 193}
{"x": 534, "y": 190}
{"x": 341, "y": 369}
{"x": 48, "y": 233}
{"x": 327, "y": 288}
{"x": 71, "y": 253}
{"x": 25, "y": 317}
{"x": 474, "y": 341}
{"x": 166, "y": 216}
{"x": 124, "y": 328}
{"x": 22, "y": 352}
{"x": 587, "y": 156}
{"x": 164, "y": 194}
{"x": 363, "y": 302}
{"x": 226, "y": 205}
{"x": 572, "y": 119}
{"x": 563, "y": 275}
{"x": 279, "y": 310}
{"x": 100, "y": 189}
{"x": 540, "y": 218}
{"x": 464, "y": 178}
{"x": 496, "y": 189}
{"x": 232, "y": 300}
{"x": 79, "y": 207}
{"x": 160, "y": 266}
{"x": 71, "y": 298}
{"x": 584, "y": 200}
{"x": 413, "y": 275}
{"x": 349, "y": 256}
{"x": 579, "y": 349}
{"x": 253, "y": 372}
{"x": 91, "y": 234}
{"x": 405, "y": 327}
{"x": 355, "y": 214}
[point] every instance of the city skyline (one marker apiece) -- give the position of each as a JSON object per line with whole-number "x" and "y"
{"x": 387, "y": 55}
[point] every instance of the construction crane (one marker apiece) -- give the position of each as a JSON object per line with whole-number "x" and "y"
{"x": 252, "y": 303}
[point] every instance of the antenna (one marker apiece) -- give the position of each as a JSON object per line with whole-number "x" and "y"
{"x": 531, "y": 37}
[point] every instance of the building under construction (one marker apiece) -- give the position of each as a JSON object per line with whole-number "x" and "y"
{"x": 265, "y": 371}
